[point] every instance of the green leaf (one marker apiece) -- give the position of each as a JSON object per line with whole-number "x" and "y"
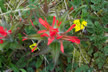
{"x": 20, "y": 38}
{"x": 75, "y": 3}
{"x": 23, "y": 70}
{"x": 35, "y": 22}
{"x": 78, "y": 70}
{"x": 90, "y": 51}
{"x": 75, "y": 65}
{"x": 14, "y": 45}
{"x": 78, "y": 10}
{"x": 55, "y": 50}
{"x": 105, "y": 18}
{"x": 96, "y": 1}
{"x": 21, "y": 62}
{"x": 96, "y": 54}
{"x": 68, "y": 47}
{"x": 30, "y": 69}
{"x": 100, "y": 65}
{"x": 50, "y": 66}
{"x": 2, "y": 6}
{"x": 68, "y": 67}
{"x": 84, "y": 68}
{"x": 3, "y": 45}
{"x": 13, "y": 67}
{"x": 63, "y": 19}
{"x": 35, "y": 36}
{"x": 38, "y": 62}
{"x": 84, "y": 13}
{"x": 0, "y": 63}
{"x": 106, "y": 50}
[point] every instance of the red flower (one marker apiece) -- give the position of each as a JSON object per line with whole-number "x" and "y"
{"x": 1, "y": 41}
{"x": 24, "y": 39}
{"x": 9, "y": 31}
{"x": 53, "y": 33}
{"x": 3, "y": 33}
{"x": 62, "y": 48}
{"x": 44, "y": 23}
{"x": 71, "y": 8}
{"x": 50, "y": 29}
{"x": 71, "y": 38}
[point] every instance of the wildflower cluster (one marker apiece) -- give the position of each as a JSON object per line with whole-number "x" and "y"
{"x": 52, "y": 33}
{"x": 3, "y": 34}
{"x": 79, "y": 25}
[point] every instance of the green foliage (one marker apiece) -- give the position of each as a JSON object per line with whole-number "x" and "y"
{"x": 106, "y": 50}
{"x": 39, "y": 62}
{"x": 55, "y": 50}
{"x": 22, "y": 70}
{"x": 2, "y": 6}
{"x": 91, "y": 55}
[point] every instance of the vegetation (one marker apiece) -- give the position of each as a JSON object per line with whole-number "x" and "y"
{"x": 53, "y": 36}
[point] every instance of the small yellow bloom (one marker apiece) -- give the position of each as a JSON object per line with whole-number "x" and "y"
{"x": 32, "y": 46}
{"x": 79, "y": 25}
{"x": 76, "y": 21}
{"x": 84, "y": 23}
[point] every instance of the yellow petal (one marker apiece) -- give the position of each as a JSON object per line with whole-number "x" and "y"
{"x": 84, "y": 23}
{"x": 76, "y": 21}
{"x": 32, "y": 46}
{"x": 79, "y": 27}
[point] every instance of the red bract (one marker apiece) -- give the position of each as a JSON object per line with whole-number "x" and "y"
{"x": 62, "y": 48}
{"x": 9, "y": 31}
{"x": 71, "y": 8}
{"x": 3, "y": 33}
{"x": 53, "y": 33}
{"x": 44, "y": 23}
{"x": 1, "y": 41}
{"x": 24, "y": 39}
{"x": 71, "y": 38}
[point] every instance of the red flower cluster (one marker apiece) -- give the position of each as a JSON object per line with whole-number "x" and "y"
{"x": 3, "y": 33}
{"x": 53, "y": 33}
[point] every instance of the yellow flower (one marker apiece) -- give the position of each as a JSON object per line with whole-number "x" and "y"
{"x": 84, "y": 23}
{"x": 76, "y": 21}
{"x": 79, "y": 25}
{"x": 32, "y": 46}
